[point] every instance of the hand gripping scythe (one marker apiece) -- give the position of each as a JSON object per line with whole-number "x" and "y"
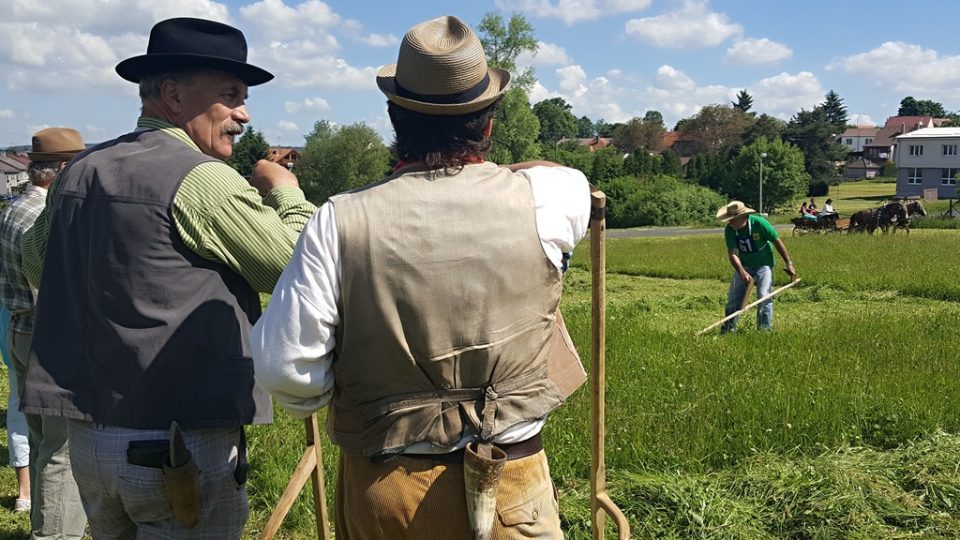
{"x": 600, "y": 503}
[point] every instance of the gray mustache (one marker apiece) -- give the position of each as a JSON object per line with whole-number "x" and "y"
{"x": 233, "y": 128}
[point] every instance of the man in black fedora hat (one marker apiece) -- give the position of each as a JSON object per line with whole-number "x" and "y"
{"x": 151, "y": 255}
{"x": 424, "y": 310}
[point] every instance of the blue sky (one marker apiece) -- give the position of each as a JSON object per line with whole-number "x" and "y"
{"x": 610, "y": 59}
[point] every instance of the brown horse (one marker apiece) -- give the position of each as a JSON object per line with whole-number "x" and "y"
{"x": 911, "y": 208}
{"x": 881, "y": 218}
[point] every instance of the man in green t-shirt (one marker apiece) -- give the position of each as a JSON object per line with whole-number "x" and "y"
{"x": 750, "y": 239}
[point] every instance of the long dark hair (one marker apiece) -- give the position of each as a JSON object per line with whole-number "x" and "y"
{"x": 440, "y": 141}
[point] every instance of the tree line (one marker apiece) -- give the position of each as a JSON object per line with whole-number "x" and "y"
{"x": 723, "y": 144}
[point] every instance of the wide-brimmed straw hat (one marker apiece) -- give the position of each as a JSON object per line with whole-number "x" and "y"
{"x": 442, "y": 70}
{"x": 187, "y": 43}
{"x": 734, "y": 209}
{"x": 55, "y": 144}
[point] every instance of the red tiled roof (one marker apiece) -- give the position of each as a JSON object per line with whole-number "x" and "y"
{"x": 667, "y": 141}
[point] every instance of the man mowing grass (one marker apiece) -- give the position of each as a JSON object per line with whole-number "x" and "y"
{"x": 749, "y": 239}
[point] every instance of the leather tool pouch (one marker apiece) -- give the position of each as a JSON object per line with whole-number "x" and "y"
{"x": 182, "y": 479}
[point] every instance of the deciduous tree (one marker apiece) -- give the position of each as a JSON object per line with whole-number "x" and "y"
{"x": 340, "y": 158}
{"x": 638, "y": 134}
{"x": 924, "y": 107}
{"x": 515, "y": 126}
{"x": 784, "y": 177}
{"x": 715, "y": 127}
{"x": 556, "y": 120}
{"x": 585, "y": 127}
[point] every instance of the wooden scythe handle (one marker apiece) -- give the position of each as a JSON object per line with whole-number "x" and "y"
{"x": 600, "y": 503}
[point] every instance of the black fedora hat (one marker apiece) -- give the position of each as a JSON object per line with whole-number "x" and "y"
{"x": 186, "y": 43}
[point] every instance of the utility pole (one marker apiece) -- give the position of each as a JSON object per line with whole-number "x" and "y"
{"x": 762, "y": 155}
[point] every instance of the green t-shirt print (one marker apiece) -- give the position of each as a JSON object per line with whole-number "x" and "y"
{"x": 754, "y": 242}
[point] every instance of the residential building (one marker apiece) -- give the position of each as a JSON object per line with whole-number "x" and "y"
{"x": 861, "y": 168}
{"x": 854, "y": 139}
{"x": 284, "y": 155}
{"x": 592, "y": 143}
{"x": 928, "y": 158}
{"x": 881, "y": 149}
{"x": 14, "y": 173}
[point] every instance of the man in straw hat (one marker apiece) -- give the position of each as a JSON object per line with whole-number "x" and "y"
{"x": 152, "y": 252}
{"x": 424, "y": 310}
{"x": 750, "y": 240}
{"x": 49, "y": 486}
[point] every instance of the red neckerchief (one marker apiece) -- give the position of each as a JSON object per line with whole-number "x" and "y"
{"x": 402, "y": 164}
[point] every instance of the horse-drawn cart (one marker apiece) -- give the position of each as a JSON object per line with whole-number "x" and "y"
{"x": 823, "y": 223}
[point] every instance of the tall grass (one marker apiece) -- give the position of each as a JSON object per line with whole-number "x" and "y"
{"x": 922, "y": 264}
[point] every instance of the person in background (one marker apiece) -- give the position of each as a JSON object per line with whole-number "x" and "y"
{"x": 150, "y": 254}
{"x": 828, "y": 207}
{"x": 424, "y": 310}
{"x": 18, "y": 445}
{"x": 750, "y": 240}
{"x": 55, "y": 511}
{"x": 812, "y": 207}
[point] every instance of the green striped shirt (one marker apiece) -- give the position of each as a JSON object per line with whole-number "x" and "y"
{"x": 218, "y": 215}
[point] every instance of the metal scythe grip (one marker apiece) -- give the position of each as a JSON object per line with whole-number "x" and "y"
{"x": 600, "y": 503}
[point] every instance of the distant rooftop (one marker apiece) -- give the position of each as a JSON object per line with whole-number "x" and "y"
{"x": 932, "y": 132}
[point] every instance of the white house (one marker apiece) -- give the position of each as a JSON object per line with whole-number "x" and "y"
{"x": 14, "y": 175}
{"x": 928, "y": 158}
{"x": 854, "y": 139}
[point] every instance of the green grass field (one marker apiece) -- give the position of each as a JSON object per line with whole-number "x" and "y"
{"x": 839, "y": 424}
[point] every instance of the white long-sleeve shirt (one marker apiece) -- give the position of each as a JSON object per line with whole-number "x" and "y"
{"x": 293, "y": 342}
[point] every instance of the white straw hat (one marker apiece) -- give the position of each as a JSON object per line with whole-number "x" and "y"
{"x": 734, "y": 209}
{"x": 442, "y": 70}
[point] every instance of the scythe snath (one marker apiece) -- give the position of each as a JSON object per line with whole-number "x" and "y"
{"x": 600, "y": 504}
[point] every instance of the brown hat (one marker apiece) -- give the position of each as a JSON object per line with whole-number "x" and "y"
{"x": 734, "y": 209}
{"x": 56, "y": 144}
{"x": 442, "y": 70}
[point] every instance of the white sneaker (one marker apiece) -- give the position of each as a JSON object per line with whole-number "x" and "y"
{"x": 22, "y": 505}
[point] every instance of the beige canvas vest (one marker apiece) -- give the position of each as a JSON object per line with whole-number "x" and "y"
{"x": 449, "y": 312}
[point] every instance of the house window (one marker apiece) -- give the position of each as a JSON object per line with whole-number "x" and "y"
{"x": 849, "y": 142}
{"x": 916, "y": 150}
{"x": 948, "y": 177}
{"x": 867, "y": 141}
{"x": 915, "y": 176}
{"x": 949, "y": 149}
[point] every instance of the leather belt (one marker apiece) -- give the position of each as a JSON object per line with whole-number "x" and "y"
{"x": 518, "y": 450}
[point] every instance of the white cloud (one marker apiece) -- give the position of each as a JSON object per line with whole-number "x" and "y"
{"x": 40, "y": 57}
{"x": 307, "y": 105}
{"x": 548, "y": 54}
{"x": 785, "y": 94}
{"x": 108, "y": 17}
{"x": 380, "y": 40}
{"x": 304, "y": 64}
{"x": 574, "y": 11}
{"x": 757, "y": 51}
{"x": 287, "y": 126}
{"x": 6, "y": 113}
{"x": 691, "y": 26}
{"x": 860, "y": 120}
{"x": 907, "y": 69}
{"x": 276, "y": 21}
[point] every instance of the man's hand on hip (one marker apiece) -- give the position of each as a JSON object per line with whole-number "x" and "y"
{"x": 268, "y": 175}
